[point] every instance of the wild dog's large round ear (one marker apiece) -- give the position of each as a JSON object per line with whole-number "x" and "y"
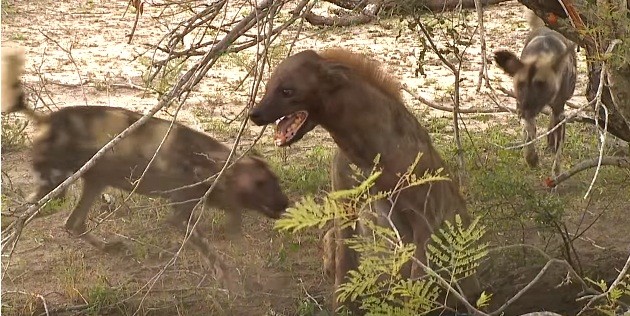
{"x": 508, "y": 62}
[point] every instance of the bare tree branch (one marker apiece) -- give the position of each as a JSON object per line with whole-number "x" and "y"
{"x": 622, "y": 162}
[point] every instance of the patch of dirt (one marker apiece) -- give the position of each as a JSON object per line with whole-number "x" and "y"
{"x": 281, "y": 272}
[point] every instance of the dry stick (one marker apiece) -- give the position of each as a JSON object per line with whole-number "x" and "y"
{"x": 567, "y": 118}
{"x": 39, "y": 296}
{"x": 528, "y": 286}
{"x": 68, "y": 51}
{"x": 456, "y": 73}
{"x": 585, "y": 287}
{"x": 436, "y": 106}
{"x": 42, "y": 87}
{"x": 483, "y": 71}
{"x": 598, "y": 97}
{"x": 593, "y": 298}
{"x": 622, "y": 162}
{"x": 598, "y": 103}
{"x": 138, "y": 6}
{"x": 445, "y": 284}
{"x": 206, "y": 15}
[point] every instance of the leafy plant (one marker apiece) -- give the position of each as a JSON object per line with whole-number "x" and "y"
{"x": 611, "y": 305}
{"x": 13, "y": 135}
{"x": 454, "y": 251}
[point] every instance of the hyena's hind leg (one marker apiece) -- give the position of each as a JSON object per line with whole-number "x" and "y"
{"x": 529, "y": 134}
{"x": 555, "y": 139}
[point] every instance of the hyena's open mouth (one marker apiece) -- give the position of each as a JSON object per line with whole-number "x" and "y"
{"x": 288, "y": 127}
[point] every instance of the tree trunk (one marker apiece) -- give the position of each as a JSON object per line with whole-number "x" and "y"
{"x": 616, "y": 90}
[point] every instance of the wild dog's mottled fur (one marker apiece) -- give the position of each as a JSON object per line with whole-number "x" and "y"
{"x": 544, "y": 75}
{"x": 68, "y": 138}
{"x": 358, "y": 104}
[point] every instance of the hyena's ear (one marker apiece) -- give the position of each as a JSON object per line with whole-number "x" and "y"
{"x": 333, "y": 74}
{"x": 508, "y": 62}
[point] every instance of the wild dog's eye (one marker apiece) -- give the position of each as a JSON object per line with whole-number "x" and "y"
{"x": 539, "y": 84}
{"x": 287, "y": 92}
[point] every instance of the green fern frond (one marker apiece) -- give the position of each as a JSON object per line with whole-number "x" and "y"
{"x": 483, "y": 300}
{"x": 357, "y": 191}
{"x": 306, "y": 213}
{"x": 456, "y": 248}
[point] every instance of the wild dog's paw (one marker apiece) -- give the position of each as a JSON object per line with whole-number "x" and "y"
{"x": 532, "y": 158}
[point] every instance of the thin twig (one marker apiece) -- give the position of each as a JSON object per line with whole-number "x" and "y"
{"x": 483, "y": 71}
{"x": 68, "y": 52}
{"x": 622, "y": 274}
{"x": 436, "y": 106}
{"x": 598, "y": 97}
{"x": 36, "y": 295}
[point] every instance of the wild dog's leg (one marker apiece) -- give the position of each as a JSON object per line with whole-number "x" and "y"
{"x": 529, "y": 133}
{"x": 180, "y": 220}
{"x": 555, "y": 139}
{"x": 75, "y": 224}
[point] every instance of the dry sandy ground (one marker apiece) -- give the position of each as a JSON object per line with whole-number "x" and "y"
{"x": 281, "y": 271}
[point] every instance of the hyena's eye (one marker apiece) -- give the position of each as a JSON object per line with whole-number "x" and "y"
{"x": 287, "y": 92}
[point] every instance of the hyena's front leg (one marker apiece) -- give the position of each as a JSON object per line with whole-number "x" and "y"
{"x": 529, "y": 133}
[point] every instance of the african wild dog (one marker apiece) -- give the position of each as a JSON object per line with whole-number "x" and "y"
{"x": 69, "y": 137}
{"x": 545, "y": 74}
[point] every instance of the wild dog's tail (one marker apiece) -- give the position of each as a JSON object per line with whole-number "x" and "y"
{"x": 13, "y": 97}
{"x": 534, "y": 21}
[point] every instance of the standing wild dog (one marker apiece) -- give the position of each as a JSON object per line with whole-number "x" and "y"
{"x": 69, "y": 137}
{"x": 361, "y": 107}
{"x": 544, "y": 75}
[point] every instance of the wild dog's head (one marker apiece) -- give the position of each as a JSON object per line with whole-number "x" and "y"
{"x": 250, "y": 184}
{"x": 537, "y": 78}
{"x": 12, "y": 69}
{"x": 295, "y": 94}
